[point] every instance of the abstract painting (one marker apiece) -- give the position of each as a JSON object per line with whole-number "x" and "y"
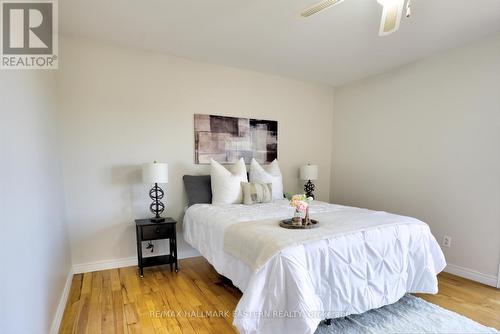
{"x": 227, "y": 139}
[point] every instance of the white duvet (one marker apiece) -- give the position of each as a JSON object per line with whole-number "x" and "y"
{"x": 342, "y": 274}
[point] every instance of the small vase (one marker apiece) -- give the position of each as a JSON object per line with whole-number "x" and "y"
{"x": 297, "y": 218}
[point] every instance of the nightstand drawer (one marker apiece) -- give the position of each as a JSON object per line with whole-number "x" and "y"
{"x": 152, "y": 232}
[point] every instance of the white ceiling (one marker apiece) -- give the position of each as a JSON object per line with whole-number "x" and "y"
{"x": 336, "y": 46}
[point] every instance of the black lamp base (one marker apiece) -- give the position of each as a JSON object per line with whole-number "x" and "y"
{"x": 157, "y": 207}
{"x": 309, "y": 189}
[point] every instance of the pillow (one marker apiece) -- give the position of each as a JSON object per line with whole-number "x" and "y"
{"x": 270, "y": 174}
{"x": 198, "y": 189}
{"x": 257, "y": 192}
{"x": 226, "y": 185}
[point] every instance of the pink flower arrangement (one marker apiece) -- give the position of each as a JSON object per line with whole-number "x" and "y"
{"x": 300, "y": 202}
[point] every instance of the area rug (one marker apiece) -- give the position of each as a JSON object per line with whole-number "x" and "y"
{"x": 409, "y": 315}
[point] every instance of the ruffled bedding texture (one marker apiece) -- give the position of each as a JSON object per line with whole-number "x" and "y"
{"x": 359, "y": 260}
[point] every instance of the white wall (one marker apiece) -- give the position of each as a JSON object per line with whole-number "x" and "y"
{"x": 121, "y": 107}
{"x": 34, "y": 247}
{"x": 424, "y": 140}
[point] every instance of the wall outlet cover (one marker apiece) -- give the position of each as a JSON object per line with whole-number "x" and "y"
{"x": 447, "y": 241}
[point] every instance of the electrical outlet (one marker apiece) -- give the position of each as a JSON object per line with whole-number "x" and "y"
{"x": 447, "y": 241}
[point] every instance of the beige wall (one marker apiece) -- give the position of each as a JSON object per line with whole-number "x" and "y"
{"x": 121, "y": 107}
{"x": 420, "y": 140}
{"x": 33, "y": 242}
{"x": 424, "y": 140}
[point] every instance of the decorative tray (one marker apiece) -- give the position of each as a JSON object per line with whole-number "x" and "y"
{"x": 287, "y": 223}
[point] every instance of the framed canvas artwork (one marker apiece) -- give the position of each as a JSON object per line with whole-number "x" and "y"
{"x": 227, "y": 139}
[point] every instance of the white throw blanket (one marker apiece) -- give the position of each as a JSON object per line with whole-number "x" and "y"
{"x": 255, "y": 242}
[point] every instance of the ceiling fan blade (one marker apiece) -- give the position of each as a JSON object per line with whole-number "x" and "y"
{"x": 319, "y": 7}
{"x": 391, "y": 16}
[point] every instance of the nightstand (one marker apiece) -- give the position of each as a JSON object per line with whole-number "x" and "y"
{"x": 147, "y": 230}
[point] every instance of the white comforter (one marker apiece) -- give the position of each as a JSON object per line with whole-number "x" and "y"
{"x": 304, "y": 284}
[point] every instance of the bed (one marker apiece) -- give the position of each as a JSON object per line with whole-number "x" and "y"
{"x": 355, "y": 261}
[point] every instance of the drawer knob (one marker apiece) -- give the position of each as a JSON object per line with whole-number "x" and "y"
{"x": 157, "y": 230}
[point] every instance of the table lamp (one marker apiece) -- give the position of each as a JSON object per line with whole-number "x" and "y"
{"x": 154, "y": 173}
{"x": 310, "y": 173}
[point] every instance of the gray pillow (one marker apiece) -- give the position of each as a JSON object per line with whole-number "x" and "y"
{"x": 198, "y": 189}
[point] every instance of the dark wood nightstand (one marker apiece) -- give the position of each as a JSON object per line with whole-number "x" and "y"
{"x": 147, "y": 230}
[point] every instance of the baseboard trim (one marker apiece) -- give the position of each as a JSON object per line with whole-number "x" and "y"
{"x": 104, "y": 265}
{"x": 110, "y": 264}
{"x": 472, "y": 274}
{"x": 56, "y": 322}
{"x": 498, "y": 277}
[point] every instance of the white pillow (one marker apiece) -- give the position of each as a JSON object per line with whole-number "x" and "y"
{"x": 269, "y": 174}
{"x": 226, "y": 185}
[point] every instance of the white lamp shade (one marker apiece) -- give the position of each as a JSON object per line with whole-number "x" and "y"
{"x": 155, "y": 172}
{"x": 309, "y": 172}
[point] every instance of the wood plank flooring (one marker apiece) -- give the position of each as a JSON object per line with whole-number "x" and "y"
{"x": 474, "y": 300}
{"x": 118, "y": 301}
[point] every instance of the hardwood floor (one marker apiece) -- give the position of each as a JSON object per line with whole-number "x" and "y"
{"x": 118, "y": 301}
{"x": 471, "y": 299}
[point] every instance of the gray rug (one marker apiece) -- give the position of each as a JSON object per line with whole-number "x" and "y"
{"x": 409, "y": 315}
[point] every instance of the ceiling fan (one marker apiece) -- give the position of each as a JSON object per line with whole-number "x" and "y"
{"x": 391, "y": 13}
